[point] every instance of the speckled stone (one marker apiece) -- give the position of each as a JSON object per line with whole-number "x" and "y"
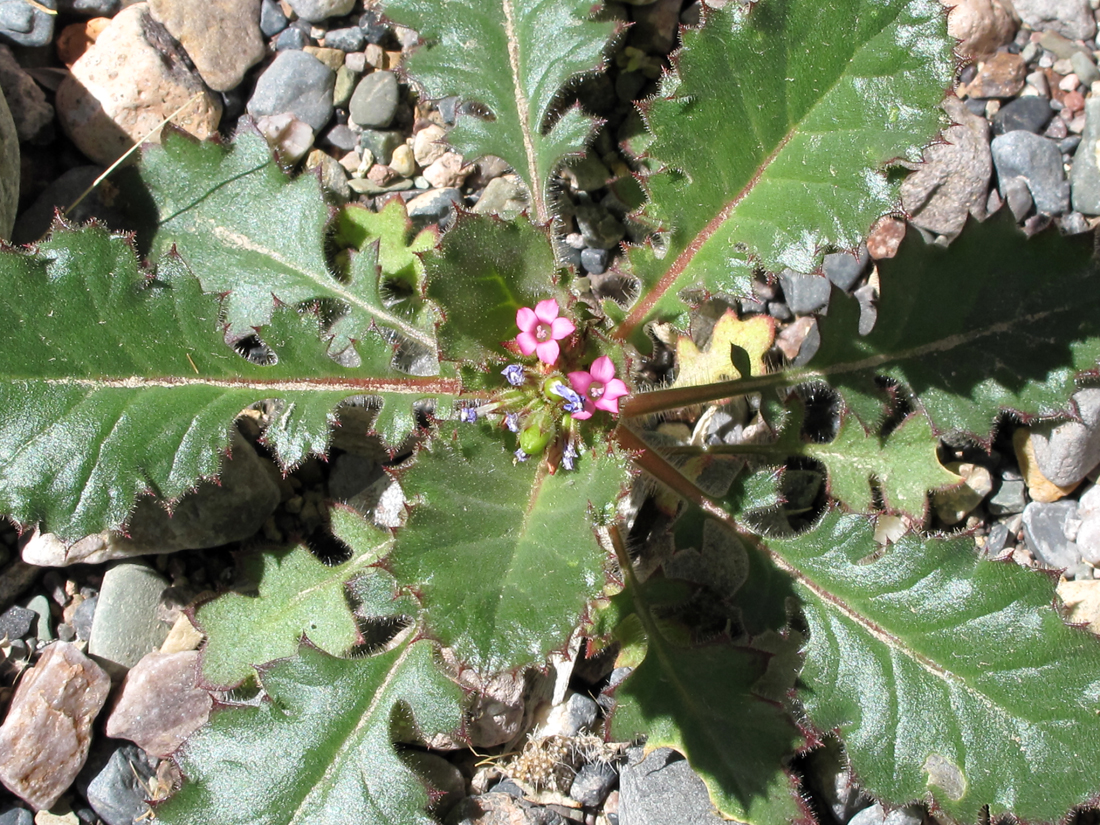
{"x": 222, "y": 37}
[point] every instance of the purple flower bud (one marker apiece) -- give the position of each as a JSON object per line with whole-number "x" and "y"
{"x": 568, "y": 455}
{"x": 573, "y": 401}
{"x": 514, "y": 374}
{"x": 511, "y": 421}
{"x": 467, "y": 415}
{"x": 521, "y": 455}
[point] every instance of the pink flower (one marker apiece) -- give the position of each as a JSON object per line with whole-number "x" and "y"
{"x": 541, "y": 329}
{"x": 600, "y": 386}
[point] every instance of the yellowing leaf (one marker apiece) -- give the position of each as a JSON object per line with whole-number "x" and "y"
{"x": 754, "y": 336}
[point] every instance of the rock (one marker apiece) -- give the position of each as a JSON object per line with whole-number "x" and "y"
{"x": 982, "y": 26}
{"x": 126, "y": 627}
{"x": 600, "y": 229}
{"x": 232, "y": 509}
{"x": 132, "y": 78}
{"x": 402, "y": 161}
{"x": 292, "y": 39}
{"x": 374, "y": 103}
{"x": 447, "y": 172}
{"x": 435, "y": 206}
{"x": 594, "y": 261}
{"x": 160, "y": 705}
{"x": 290, "y": 137}
{"x": 272, "y": 19}
{"x": 1088, "y": 534}
{"x": 845, "y": 268}
{"x": 381, "y": 143}
{"x": 117, "y": 793}
{"x": 586, "y": 174}
{"x": 1085, "y": 68}
{"x": 505, "y": 196}
{"x": 342, "y": 90}
{"x": 576, "y": 714}
{"x": 1036, "y": 160}
{"x": 885, "y": 237}
{"x": 92, "y": 8}
{"x": 956, "y": 503}
{"x": 9, "y": 170}
{"x": 876, "y": 815}
{"x": 1082, "y": 600}
{"x": 40, "y": 606}
{"x": 1039, "y": 487}
{"x": 805, "y": 294}
{"x": 1010, "y": 498}
{"x": 999, "y": 77}
{"x": 661, "y": 789}
{"x": 1066, "y": 452}
{"x": 21, "y": 24}
{"x": 16, "y": 621}
{"x": 1029, "y": 114}
{"x": 222, "y": 37}
{"x": 1018, "y": 198}
{"x": 317, "y": 10}
{"x": 16, "y": 816}
{"x": 45, "y": 737}
{"x": 495, "y": 809}
{"x": 83, "y": 617}
{"x": 333, "y": 177}
{"x": 429, "y": 145}
{"x": 1085, "y": 174}
{"x": 51, "y": 818}
{"x": 1070, "y": 18}
{"x": 298, "y": 84}
{"x": 333, "y": 58}
{"x": 593, "y": 782}
{"x": 1045, "y": 530}
{"x": 656, "y": 26}
{"x": 346, "y": 40}
{"x": 26, "y": 101}
{"x": 182, "y": 637}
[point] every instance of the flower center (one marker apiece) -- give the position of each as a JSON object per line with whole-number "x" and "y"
{"x": 595, "y": 390}
{"x": 542, "y": 332}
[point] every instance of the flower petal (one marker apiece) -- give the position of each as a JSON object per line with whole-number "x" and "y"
{"x": 581, "y": 381}
{"x": 561, "y": 328}
{"x": 547, "y": 310}
{"x": 603, "y": 369}
{"x": 526, "y": 319}
{"x": 527, "y": 343}
{"x": 613, "y": 391}
{"x": 548, "y": 351}
{"x": 583, "y": 415}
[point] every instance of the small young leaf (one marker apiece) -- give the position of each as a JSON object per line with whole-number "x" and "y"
{"x": 296, "y": 594}
{"x": 948, "y": 677}
{"x": 503, "y": 556}
{"x": 806, "y": 133}
{"x": 320, "y": 748}
{"x": 245, "y": 229}
{"x": 513, "y": 58}
{"x": 486, "y": 269}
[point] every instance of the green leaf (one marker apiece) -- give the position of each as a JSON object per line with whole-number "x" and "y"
{"x": 503, "y": 556}
{"x": 295, "y": 594}
{"x": 814, "y": 100}
{"x": 246, "y": 229}
{"x": 115, "y": 383}
{"x": 514, "y": 58}
{"x": 486, "y": 269}
{"x": 949, "y": 677}
{"x": 708, "y": 702}
{"x": 320, "y": 748}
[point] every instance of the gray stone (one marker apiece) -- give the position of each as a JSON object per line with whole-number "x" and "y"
{"x": 593, "y": 783}
{"x": 317, "y": 10}
{"x": 594, "y": 261}
{"x": 92, "y": 8}
{"x": 1036, "y": 160}
{"x": 1088, "y": 534}
{"x": 341, "y": 137}
{"x": 876, "y": 815}
{"x": 505, "y": 196}
{"x": 126, "y": 627}
{"x": 953, "y": 181}
{"x": 1085, "y": 68}
{"x": 1018, "y": 197}
{"x": 576, "y": 714}
{"x": 21, "y": 24}
{"x": 45, "y": 737}
{"x": 83, "y": 617}
{"x": 805, "y": 294}
{"x": 296, "y": 83}
{"x": 232, "y": 509}
{"x": 586, "y": 174}
{"x": 222, "y": 37}
{"x": 1066, "y": 452}
{"x": 27, "y": 102}
{"x": 374, "y": 102}
{"x": 292, "y": 39}
{"x": 1070, "y": 18}
{"x": 272, "y": 19}
{"x": 117, "y": 793}
{"x": 600, "y": 229}
{"x": 997, "y": 541}
{"x": 1045, "y": 530}
{"x": 16, "y": 621}
{"x": 1085, "y": 174}
{"x": 434, "y": 206}
{"x": 661, "y": 789}
{"x": 844, "y": 269}
{"x": 16, "y": 816}
{"x": 381, "y": 143}
{"x": 1028, "y": 114}
{"x": 348, "y": 40}
{"x": 500, "y": 809}
{"x": 40, "y": 606}
{"x": 1010, "y": 498}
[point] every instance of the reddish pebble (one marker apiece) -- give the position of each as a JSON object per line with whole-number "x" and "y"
{"x": 885, "y": 237}
{"x": 1074, "y": 101}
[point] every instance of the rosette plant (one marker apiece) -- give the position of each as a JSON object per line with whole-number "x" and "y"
{"x": 546, "y": 455}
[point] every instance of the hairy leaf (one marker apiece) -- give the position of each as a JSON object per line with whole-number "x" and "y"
{"x": 737, "y": 740}
{"x": 295, "y": 594}
{"x": 514, "y": 58}
{"x": 114, "y": 383}
{"x": 814, "y": 100}
{"x": 486, "y": 269}
{"x": 244, "y": 228}
{"x": 503, "y": 557}
{"x": 319, "y": 749}
{"x": 948, "y": 677}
